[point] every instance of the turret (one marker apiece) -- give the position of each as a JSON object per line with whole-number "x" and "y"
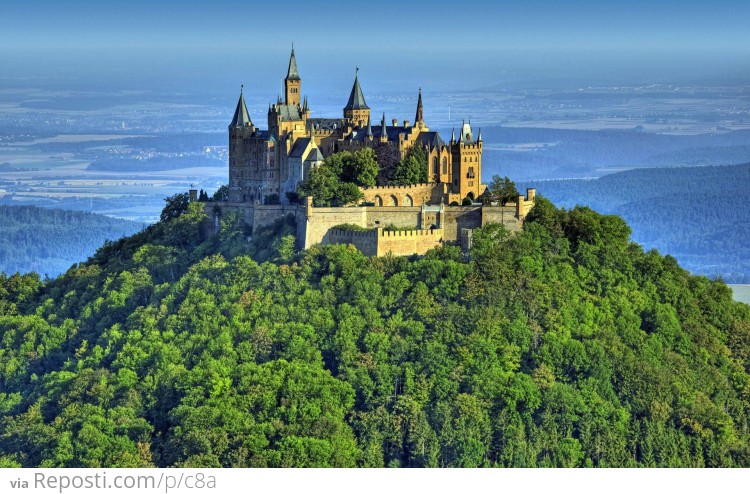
{"x": 241, "y": 115}
{"x": 383, "y": 130}
{"x": 419, "y": 118}
{"x": 293, "y": 82}
{"x": 356, "y": 109}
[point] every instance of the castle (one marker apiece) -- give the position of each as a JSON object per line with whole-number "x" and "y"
{"x": 274, "y": 161}
{"x": 267, "y": 164}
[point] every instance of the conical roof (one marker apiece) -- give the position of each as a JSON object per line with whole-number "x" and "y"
{"x": 241, "y": 116}
{"x": 419, "y": 117}
{"x": 292, "y": 74}
{"x": 356, "y": 98}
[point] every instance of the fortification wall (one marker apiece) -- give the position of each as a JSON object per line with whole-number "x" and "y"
{"x": 405, "y": 195}
{"x": 502, "y": 214}
{"x": 402, "y": 217}
{"x": 405, "y": 243}
{"x": 317, "y": 222}
{"x": 365, "y": 241}
{"x": 458, "y": 217}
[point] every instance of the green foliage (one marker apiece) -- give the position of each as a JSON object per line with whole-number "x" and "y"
{"x": 562, "y": 346}
{"x": 175, "y": 206}
{"x": 413, "y": 168}
{"x": 352, "y": 227}
{"x": 221, "y": 194}
{"x": 325, "y": 185}
{"x": 502, "y": 190}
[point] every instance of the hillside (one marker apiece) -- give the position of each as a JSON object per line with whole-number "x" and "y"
{"x": 566, "y": 345}
{"x": 700, "y": 215}
{"x": 48, "y": 241}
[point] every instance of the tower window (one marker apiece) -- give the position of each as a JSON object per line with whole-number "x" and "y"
{"x": 445, "y": 165}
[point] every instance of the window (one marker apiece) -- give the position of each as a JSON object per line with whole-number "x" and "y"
{"x": 435, "y": 166}
{"x": 471, "y": 172}
{"x": 445, "y": 165}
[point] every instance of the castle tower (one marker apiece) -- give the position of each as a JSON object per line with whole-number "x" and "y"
{"x": 383, "y": 130}
{"x": 466, "y": 153}
{"x": 419, "y": 118}
{"x": 293, "y": 82}
{"x": 240, "y": 129}
{"x": 356, "y": 110}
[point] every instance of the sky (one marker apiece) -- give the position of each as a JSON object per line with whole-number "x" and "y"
{"x": 221, "y": 44}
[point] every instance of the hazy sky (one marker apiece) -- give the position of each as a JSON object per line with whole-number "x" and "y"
{"x": 222, "y": 43}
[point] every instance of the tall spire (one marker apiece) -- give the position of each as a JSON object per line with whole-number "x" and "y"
{"x": 419, "y": 118}
{"x": 356, "y": 98}
{"x": 479, "y": 135}
{"x": 241, "y": 115}
{"x": 383, "y": 129}
{"x": 369, "y": 129}
{"x": 292, "y": 74}
{"x": 453, "y": 135}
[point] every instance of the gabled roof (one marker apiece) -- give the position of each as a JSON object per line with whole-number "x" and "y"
{"x": 315, "y": 155}
{"x": 431, "y": 139}
{"x": 299, "y": 148}
{"x": 241, "y": 116}
{"x": 356, "y": 98}
{"x": 292, "y": 74}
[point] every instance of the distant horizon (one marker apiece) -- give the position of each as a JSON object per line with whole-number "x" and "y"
{"x": 215, "y": 48}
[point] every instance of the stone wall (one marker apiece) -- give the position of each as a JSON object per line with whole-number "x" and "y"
{"x": 365, "y": 241}
{"x": 405, "y": 195}
{"x": 432, "y": 225}
{"x": 405, "y": 243}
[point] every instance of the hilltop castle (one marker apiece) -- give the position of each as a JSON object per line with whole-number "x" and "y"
{"x": 266, "y": 164}
{"x": 275, "y": 160}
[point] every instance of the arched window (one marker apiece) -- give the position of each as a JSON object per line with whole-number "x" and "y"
{"x": 393, "y": 201}
{"x": 435, "y": 166}
{"x": 408, "y": 201}
{"x": 445, "y": 165}
{"x": 378, "y": 201}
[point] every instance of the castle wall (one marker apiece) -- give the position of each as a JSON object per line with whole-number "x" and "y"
{"x": 431, "y": 226}
{"x": 365, "y": 241}
{"x": 405, "y": 195}
{"x": 405, "y": 243}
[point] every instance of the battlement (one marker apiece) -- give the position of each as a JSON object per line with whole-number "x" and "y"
{"x": 398, "y": 187}
{"x": 339, "y": 233}
{"x": 410, "y": 233}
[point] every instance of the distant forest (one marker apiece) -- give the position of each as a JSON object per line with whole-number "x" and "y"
{"x": 48, "y": 241}
{"x": 699, "y": 215}
{"x": 574, "y": 153}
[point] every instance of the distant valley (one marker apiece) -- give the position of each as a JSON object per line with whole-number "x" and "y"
{"x": 699, "y": 215}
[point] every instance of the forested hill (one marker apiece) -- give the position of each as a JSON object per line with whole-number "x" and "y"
{"x": 565, "y": 345}
{"x": 48, "y": 241}
{"x": 700, "y": 215}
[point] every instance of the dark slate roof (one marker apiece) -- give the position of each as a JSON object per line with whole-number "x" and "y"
{"x": 467, "y": 136}
{"x": 326, "y": 123}
{"x": 315, "y": 155}
{"x": 292, "y": 74}
{"x": 241, "y": 116}
{"x": 431, "y": 139}
{"x": 300, "y": 145}
{"x": 419, "y": 116}
{"x": 356, "y": 98}
{"x": 289, "y": 112}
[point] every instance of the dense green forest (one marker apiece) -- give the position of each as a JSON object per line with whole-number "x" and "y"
{"x": 699, "y": 215}
{"x": 565, "y": 345}
{"x": 48, "y": 241}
